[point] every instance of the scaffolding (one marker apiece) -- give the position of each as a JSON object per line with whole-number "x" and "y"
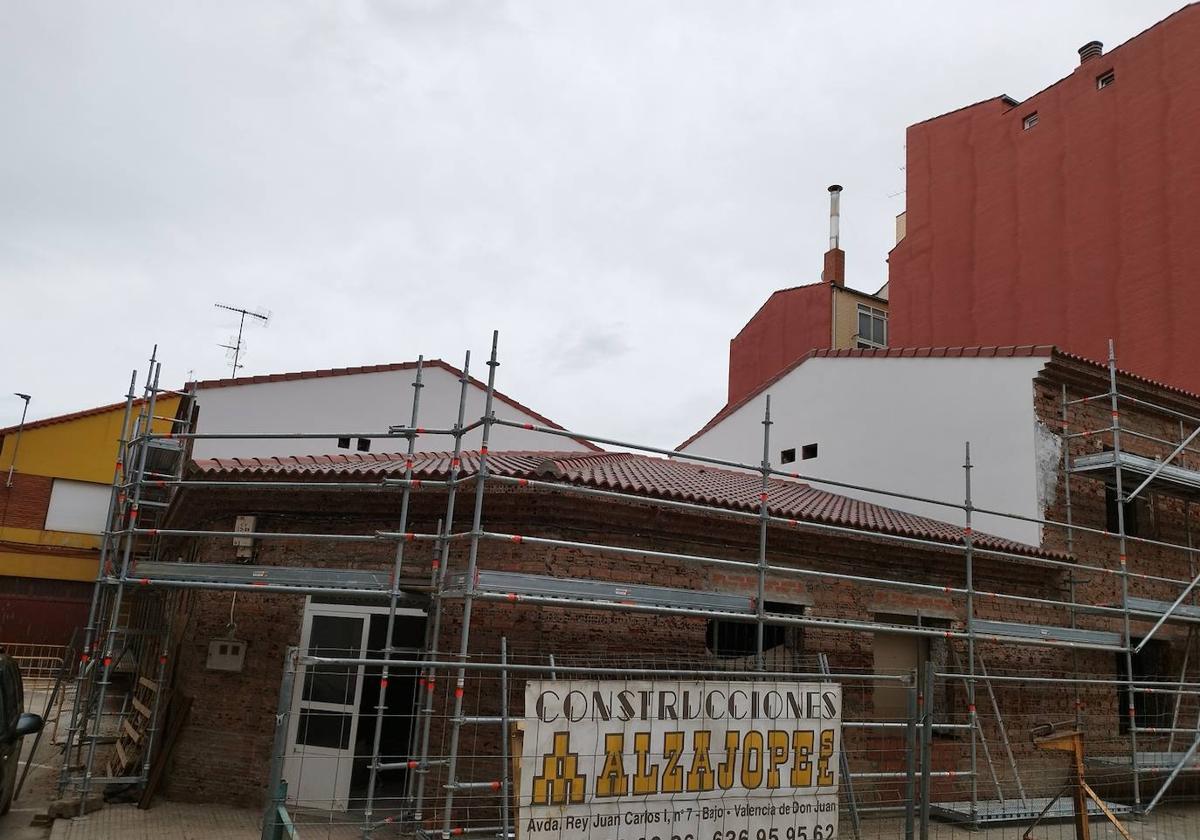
{"x": 137, "y": 591}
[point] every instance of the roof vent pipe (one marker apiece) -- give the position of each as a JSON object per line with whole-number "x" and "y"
{"x": 835, "y": 194}
{"x": 1090, "y": 50}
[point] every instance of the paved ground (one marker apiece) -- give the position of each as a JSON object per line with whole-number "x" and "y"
{"x": 165, "y": 821}
{"x": 39, "y": 787}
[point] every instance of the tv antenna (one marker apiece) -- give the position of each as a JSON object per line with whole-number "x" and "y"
{"x": 235, "y": 346}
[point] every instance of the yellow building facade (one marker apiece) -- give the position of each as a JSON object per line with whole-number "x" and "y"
{"x": 53, "y": 515}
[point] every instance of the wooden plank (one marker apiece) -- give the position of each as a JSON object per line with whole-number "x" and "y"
{"x": 130, "y": 731}
{"x": 121, "y": 755}
{"x": 148, "y": 684}
{"x": 177, "y": 713}
{"x": 142, "y": 708}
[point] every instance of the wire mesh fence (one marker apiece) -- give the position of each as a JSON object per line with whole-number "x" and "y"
{"x": 611, "y": 743}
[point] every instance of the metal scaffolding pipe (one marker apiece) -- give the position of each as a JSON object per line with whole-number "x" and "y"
{"x": 393, "y": 603}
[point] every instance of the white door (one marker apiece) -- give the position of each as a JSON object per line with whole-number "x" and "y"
{"x": 324, "y": 719}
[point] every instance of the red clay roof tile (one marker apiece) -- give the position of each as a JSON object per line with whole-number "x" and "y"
{"x": 623, "y": 472}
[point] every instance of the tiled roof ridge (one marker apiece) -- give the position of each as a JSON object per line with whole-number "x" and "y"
{"x": 885, "y": 352}
{"x": 75, "y": 415}
{"x": 1050, "y": 351}
{"x": 323, "y": 373}
{"x": 316, "y": 374}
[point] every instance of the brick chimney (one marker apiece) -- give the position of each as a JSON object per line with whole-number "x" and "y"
{"x": 835, "y": 258}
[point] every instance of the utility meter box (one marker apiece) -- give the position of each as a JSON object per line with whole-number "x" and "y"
{"x": 226, "y": 655}
{"x": 244, "y": 546}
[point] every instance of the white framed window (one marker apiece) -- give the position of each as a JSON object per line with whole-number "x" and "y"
{"x": 1030, "y": 121}
{"x": 77, "y": 506}
{"x": 872, "y": 327}
{"x": 1106, "y": 79}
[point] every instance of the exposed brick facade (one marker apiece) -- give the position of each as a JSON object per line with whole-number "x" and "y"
{"x": 24, "y": 505}
{"x": 225, "y": 750}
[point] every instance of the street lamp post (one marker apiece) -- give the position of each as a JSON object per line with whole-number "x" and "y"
{"x": 17, "y": 443}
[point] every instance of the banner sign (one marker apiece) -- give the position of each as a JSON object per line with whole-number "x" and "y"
{"x": 680, "y": 760}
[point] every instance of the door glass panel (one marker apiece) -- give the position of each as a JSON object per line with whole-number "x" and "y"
{"x": 333, "y": 635}
{"x": 324, "y": 729}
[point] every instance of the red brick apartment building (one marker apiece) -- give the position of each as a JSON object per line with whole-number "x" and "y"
{"x": 1068, "y": 218}
{"x": 875, "y": 589}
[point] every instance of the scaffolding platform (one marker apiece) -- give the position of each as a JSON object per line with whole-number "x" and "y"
{"x": 363, "y": 582}
{"x": 1149, "y": 608}
{"x": 1147, "y": 762}
{"x": 1171, "y": 479}
{"x": 995, "y": 812}
{"x": 1011, "y": 631}
{"x": 615, "y": 594}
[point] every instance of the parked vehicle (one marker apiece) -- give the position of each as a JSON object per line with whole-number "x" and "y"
{"x": 15, "y": 723}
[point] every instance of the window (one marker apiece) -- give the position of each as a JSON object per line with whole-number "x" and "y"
{"x": 77, "y": 506}
{"x": 1150, "y": 708}
{"x": 1105, "y": 79}
{"x": 343, "y": 443}
{"x": 808, "y": 452}
{"x": 364, "y": 444}
{"x": 729, "y": 639}
{"x": 1030, "y": 121}
{"x": 1132, "y": 514}
{"x": 872, "y": 327}
{"x": 787, "y": 456}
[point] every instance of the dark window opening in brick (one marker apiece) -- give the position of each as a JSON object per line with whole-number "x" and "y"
{"x": 1030, "y": 121}
{"x": 1132, "y": 514}
{"x": 1151, "y": 665}
{"x": 364, "y": 444}
{"x": 344, "y": 443}
{"x": 808, "y": 452}
{"x": 787, "y": 456}
{"x": 729, "y": 639}
{"x": 1105, "y": 79}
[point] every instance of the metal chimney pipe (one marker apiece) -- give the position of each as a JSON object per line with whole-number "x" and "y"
{"x": 1090, "y": 50}
{"x": 835, "y": 195}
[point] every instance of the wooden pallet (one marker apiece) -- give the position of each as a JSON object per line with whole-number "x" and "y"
{"x": 134, "y": 729}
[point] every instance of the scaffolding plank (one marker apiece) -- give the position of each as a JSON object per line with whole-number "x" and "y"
{"x": 366, "y": 581}
{"x": 993, "y": 811}
{"x": 1155, "y": 609}
{"x": 1172, "y": 479}
{"x": 1075, "y": 635}
{"x": 1147, "y": 762}
{"x": 602, "y": 591}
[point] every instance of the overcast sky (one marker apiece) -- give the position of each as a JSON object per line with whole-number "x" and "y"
{"x": 615, "y": 186}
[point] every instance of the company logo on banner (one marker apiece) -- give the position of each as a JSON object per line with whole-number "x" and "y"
{"x": 677, "y": 760}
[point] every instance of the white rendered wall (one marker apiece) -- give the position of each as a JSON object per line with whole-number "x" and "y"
{"x": 77, "y": 506}
{"x": 364, "y": 402}
{"x": 900, "y": 424}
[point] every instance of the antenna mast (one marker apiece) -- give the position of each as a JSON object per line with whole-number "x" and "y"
{"x": 236, "y": 346}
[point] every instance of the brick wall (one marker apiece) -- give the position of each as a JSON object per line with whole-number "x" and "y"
{"x": 24, "y": 504}
{"x": 229, "y": 734}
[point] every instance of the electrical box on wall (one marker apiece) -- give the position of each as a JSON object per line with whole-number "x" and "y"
{"x": 226, "y": 655}
{"x": 244, "y": 546}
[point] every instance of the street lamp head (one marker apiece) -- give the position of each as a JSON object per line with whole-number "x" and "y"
{"x": 25, "y": 397}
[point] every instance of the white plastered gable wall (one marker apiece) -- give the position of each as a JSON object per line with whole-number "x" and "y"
{"x": 349, "y": 403}
{"x": 901, "y": 424}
